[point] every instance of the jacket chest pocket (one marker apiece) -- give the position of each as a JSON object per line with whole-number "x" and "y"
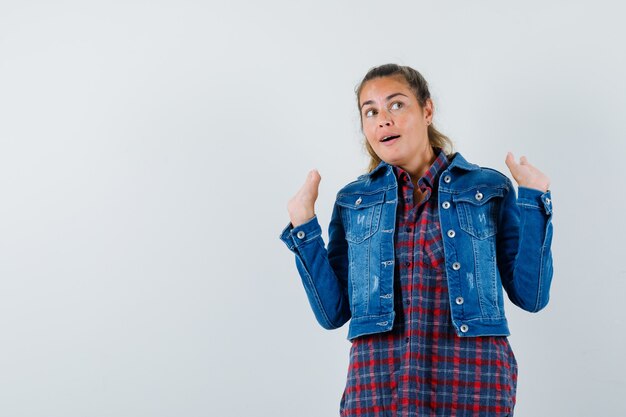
{"x": 361, "y": 214}
{"x": 478, "y": 210}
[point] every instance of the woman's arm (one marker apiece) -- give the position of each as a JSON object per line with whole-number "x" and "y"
{"x": 324, "y": 272}
{"x": 525, "y": 236}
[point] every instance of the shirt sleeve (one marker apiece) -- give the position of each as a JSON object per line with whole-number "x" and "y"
{"x": 324, "y": 271}
{"x": 524, "y": 242}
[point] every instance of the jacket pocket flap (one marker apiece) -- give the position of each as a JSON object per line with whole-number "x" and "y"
{"x": 478, "y": 195}
{"x": 359, "y": 201}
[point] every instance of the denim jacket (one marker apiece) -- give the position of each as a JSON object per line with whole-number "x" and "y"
{"x": 492, "y": 239}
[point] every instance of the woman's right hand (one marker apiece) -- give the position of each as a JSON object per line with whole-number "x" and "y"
{"x": 301, "y": 207}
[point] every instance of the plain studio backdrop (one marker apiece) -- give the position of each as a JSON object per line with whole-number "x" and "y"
{"x": 148, "y": 151}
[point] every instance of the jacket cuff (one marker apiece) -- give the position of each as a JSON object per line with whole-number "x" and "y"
{"x": 531, "y": 197}
{"x": 294, "y": 237}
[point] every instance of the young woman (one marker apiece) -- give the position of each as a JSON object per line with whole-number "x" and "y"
{"x": 420, "y": 249}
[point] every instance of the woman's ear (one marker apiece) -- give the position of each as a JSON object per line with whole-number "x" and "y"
{"x": 429, "y": 110}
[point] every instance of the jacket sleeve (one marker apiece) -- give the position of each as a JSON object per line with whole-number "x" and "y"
{"x": 324, "y": 272}
{"x": 523, "y": 247}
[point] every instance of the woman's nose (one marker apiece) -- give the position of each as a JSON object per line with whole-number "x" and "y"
{"x": 385, "y": 119}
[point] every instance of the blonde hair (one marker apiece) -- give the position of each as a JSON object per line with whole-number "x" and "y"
{"x": 419, "y": 87}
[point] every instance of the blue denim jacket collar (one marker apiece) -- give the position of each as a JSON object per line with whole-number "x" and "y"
{"x": 458, "y": 161}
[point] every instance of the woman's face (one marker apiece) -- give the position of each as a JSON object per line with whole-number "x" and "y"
{"x": 394, "y": 123}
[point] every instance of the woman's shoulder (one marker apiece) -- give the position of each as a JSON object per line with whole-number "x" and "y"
{"x": 476, "y": 173}
{"x": 371, "y": 183}
{"x": 355, "y": 186}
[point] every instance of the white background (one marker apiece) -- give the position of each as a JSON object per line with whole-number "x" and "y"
{"x": 148, "y": 150}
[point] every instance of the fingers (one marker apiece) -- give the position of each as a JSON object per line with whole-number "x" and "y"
{"x": 510, "y": 161}
{"x": 314, "y": 174}
{"x": 524, "y": 161}
{"x": 313, "y": 178}
{"x": 301, "y": 207}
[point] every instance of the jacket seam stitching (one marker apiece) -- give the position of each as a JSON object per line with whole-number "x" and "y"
{"x": 318, "y": 299}
{"x": 540, "y": 280}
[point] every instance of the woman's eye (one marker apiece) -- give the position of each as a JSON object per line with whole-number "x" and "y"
{"x": 396, "y": 105}
{"x": 369, "y": 113}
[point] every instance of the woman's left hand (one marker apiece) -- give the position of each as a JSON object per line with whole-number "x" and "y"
{"x": 526, "y": 174}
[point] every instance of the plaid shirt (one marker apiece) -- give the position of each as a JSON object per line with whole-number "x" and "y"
{"x": 421, "y": 367}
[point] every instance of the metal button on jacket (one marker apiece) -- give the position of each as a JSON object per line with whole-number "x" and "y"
{"x": 300, "y": 234}
{"x": 459, "y": 300}
{"x": 464, "y": 328}
{"x": 358, "y": 201}
{"x": 451, "y": 233}
{"x": 479, "y": 195}
{"x": 456, "y": 266}
{"x": 447, "y": 179}
{"x": 445, "y": 204}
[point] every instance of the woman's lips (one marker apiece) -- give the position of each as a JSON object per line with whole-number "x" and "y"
{"x": 390, "y": 140}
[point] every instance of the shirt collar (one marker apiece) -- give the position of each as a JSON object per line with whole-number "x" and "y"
{"x": 439, "y": 165}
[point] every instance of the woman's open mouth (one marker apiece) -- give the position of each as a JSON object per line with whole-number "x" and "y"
{"x": 389, "y": 139}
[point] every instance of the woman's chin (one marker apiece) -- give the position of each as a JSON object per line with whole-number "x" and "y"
{"x": 391, "y": 158}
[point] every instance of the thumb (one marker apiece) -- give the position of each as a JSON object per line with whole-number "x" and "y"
{"x": 312, "y": 182}
{"x": 314, "y": 177}
{"x": 510, "y": 161}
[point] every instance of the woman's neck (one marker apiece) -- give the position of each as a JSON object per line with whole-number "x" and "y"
{"x": 418, "y": 167}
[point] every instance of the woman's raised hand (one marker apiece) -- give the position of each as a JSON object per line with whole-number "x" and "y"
{"x": 526, "y": 174}
{"x": 301, "y": 207}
